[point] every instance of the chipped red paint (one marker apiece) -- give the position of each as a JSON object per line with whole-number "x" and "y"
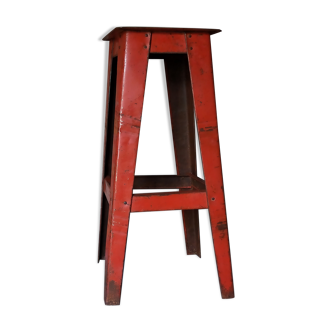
{"x": 191, "y": 94}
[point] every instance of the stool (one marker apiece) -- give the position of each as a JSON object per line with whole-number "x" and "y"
{"x": 188, "y": 65}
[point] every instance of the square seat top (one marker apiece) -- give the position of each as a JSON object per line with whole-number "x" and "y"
{"x": 119, "y": 29}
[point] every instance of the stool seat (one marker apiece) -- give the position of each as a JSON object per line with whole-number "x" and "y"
{"x": 186, "y": 54}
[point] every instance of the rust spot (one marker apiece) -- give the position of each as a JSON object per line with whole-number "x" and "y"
{"x": 113, "y": 288}
{"x": 126, "y": 115}
{"x": 113, "y": 294}
{"x": 226, "y": 293}
{"x": 222, "y": 225}
{"x": 208, "y": 129}
{"x": 222, "y": 228}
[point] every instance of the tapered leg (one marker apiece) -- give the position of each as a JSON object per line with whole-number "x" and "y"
{"x": 183, "y": 129}
{"x": 200, "y": 64}
{"x": 131, "y": 75}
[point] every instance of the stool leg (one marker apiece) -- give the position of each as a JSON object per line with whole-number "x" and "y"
{"x": 183, "y": 129}
{"x": 102, "y": 213}
{"x": 200, "y": 64}
{"x": 131, "y": 75}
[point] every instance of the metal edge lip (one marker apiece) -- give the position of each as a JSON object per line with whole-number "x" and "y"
{"x": 216, "y": 31}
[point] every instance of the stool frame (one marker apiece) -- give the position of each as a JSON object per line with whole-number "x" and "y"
{"x": 189, "y": 76}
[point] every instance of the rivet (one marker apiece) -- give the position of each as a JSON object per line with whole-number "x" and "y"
{"x": 212, "y": 199}
{"x": 191, "y": 48}
{"x": 145, "y": 46}
{"x": 189, "y": 36}
{"x": 146, "y": 35}
{"x": 125, "y": 203}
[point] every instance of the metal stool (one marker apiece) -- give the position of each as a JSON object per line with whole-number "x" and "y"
{"x": 189, "y": 75}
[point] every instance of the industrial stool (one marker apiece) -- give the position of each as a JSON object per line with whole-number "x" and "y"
{"x": 188, "y": 66}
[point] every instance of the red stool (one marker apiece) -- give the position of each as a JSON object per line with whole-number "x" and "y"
{"x": 188, "y": 65}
